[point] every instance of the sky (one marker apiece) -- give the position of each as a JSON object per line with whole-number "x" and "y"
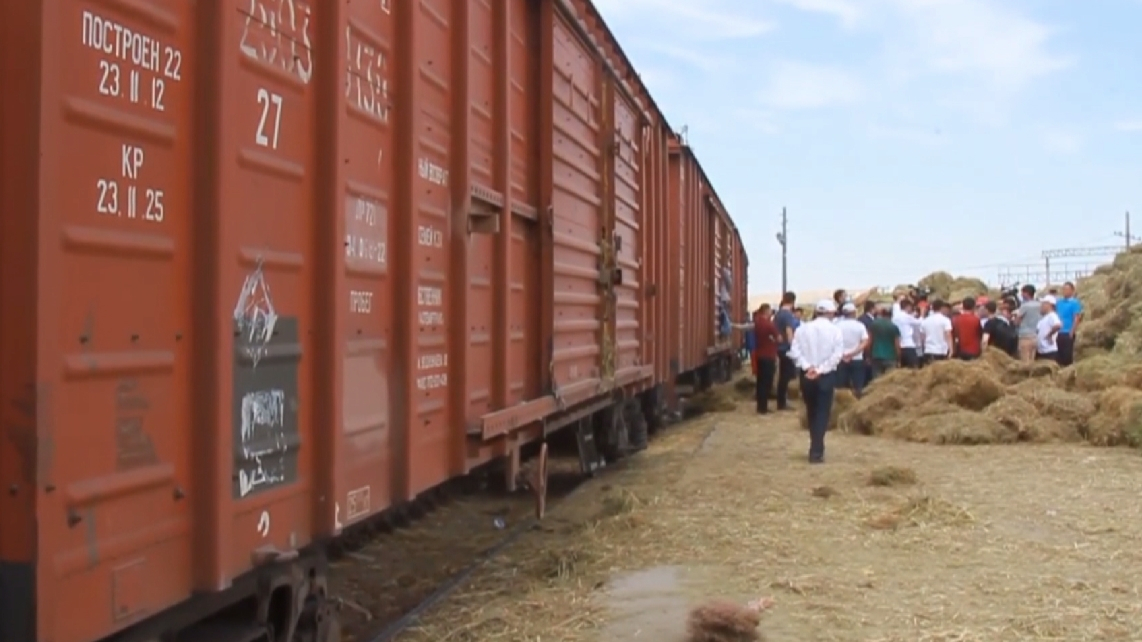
{"x": 903, "y": 136}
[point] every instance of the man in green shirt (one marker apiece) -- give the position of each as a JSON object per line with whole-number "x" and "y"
{"x": 884, "y": 338}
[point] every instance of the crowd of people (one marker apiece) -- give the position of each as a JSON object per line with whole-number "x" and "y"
{"x": 843, "y": 347}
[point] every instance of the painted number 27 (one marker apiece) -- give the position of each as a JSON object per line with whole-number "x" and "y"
{"x": 269, "y": 125}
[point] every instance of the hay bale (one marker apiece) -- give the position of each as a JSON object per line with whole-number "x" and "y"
{"x": 1118, "y": 421}
{"x": 892, "y": 476}
{"x": 1071, "y": 410}
{"x": 951, "y": 426}
{"x": 723, "y": 621}
{"x": 968, "y": 384}
{"x": 843, "y": 400}
{"x": 1098, "y": 373}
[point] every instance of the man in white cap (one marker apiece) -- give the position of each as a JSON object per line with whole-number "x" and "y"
{"x": 1047, "y": 330}
{"x": 851, "y": 372}
{"x": 818, "y": 348}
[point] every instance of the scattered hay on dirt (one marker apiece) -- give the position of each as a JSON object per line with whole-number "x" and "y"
{"x": 716, "y": 399}
{"x": 892, "y": 476}
{"x": 746, "y": 387}
{"x": 843, "y": 400}
{"x": 723, "y": 621}
{"x": 824, "y": 492}
{"x": 922, "y": 512}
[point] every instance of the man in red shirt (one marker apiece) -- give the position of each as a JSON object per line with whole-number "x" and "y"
{"x": 765, "y": 335}
{"x": 968, "y": 332}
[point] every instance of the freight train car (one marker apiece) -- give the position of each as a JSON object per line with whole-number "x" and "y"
{"x": 712, "y": 268}
{"x": 271, "y": 268}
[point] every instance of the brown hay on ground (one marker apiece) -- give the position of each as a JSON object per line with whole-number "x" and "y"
{"x": 892, "y": 476}
{"x": 948, "y": 426}
{"x": 1068, "y": 408}
{"x": 923, "y": 511}
{"x": 969, "y": 385}
{"x": 746, "y": 387}
{"x": 843, "y": 399}
{"x": 715, "y": 400}
{"x": 1118, "y": 421}
{"x": 723, "y": 621}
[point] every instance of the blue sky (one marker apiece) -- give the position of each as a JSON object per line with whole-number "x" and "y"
{"x": 904, "y": 136}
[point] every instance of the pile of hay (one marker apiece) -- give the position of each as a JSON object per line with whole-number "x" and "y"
{"x": 1112, "y": 298}
{"x": 999, "y": 400}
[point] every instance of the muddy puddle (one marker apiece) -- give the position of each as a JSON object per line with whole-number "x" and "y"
{"x": 652, "y": 604}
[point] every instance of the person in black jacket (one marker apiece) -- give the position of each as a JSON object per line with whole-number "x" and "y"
{"x": 867, "y": 318}
{"x": 998, "y": 331}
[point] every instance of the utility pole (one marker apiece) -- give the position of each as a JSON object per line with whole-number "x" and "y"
{"x": 1127, "y": 236}
{"x": 783, "y": 239}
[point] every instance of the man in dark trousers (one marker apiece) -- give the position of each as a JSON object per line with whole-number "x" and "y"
{"x": 867, "y": 318}
{"x": 817, "y": 350}
{"x": 787, "y": 323}
{"x": 765, "y": 348}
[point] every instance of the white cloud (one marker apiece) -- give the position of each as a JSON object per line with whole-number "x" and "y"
{"x": 798, "y": 85}
{"x": 1131, "y": 126}
{"x": 916, "y": 135}
{"x": 848, "y": 13}
{"x": 706, "y": 20}
{"x": 977, "y": 39}
{"x": 689, "y": 55}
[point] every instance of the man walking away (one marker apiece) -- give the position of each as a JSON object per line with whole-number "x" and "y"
{"x": 968, "y": 332}
{"x": 851, "y": 372}
{"x": 1027, "y": 320}
{"x": 909, "y": 327}
{"x": 786, "y": 323}
{"x": 937, "y": 329}
{"x": 1070, "y": 311}
{"x": 1047, "y": 331}
{"x": 884, "y": 337}
{"x": 767, "y": 339}
{"x": 817, "y": 349}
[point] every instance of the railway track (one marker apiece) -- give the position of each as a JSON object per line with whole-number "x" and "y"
{"x": 387, "y": 580}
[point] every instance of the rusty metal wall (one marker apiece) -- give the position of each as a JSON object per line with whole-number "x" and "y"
{"x": 283, "y": 264}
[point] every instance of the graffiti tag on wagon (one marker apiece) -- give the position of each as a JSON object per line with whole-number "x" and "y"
{"x": 366, "y": 75}
{"x": 149, "y": 63}
{"x": 263, "y": 438}
{"x": 276, "y": 33}
{"x": 255, "y": 316}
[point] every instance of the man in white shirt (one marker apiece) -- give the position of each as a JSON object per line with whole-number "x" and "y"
{"x": 937, "y": 329}
{"x": 851, "y": 372}
{"x": 818, "y": 348}
{"x": 909, "y": 326}
{"x": 1047, "y": 330}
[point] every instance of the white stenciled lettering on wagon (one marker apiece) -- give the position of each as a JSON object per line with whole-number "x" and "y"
{"x": 255, "y": 317}
{"x": 365, "y": 231}
{"x": 124, "y": 197}
{"x": 137, "y": 66}
{"x": 432, "y": 172}
{"x": 276, "y": 33}
{"x": 360, "y": 302}
{"x": 263, "y": 437}
{"x": 366, "y": 76}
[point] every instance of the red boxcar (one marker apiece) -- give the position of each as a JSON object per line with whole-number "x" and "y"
{"x": 272, "y": 267}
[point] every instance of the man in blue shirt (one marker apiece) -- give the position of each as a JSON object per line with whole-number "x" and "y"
{"x": 786, "y": 323}
{"x": 1070, "y": 311}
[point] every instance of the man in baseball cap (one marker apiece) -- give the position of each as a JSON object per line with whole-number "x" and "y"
{"x": 817, "y": 349}
{"x": 1047, "y": 330}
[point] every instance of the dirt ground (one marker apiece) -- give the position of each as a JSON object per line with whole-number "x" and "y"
{"x": 990, "y": 543}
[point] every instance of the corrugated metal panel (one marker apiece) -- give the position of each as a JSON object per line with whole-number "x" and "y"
{"x": 285, "y": 264}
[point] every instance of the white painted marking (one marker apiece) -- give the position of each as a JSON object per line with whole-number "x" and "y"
{"x": 264, "y": 524}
